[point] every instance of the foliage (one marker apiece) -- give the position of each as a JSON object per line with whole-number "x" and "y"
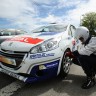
{"x": 89, "y": 21}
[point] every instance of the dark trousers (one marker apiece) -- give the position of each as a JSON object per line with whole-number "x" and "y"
{"x": 88, "y": 64}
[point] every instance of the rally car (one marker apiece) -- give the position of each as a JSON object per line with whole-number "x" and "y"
{"x": 40, "y": 55}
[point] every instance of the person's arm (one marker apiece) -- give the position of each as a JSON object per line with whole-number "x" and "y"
{"x": 88, "y": 49}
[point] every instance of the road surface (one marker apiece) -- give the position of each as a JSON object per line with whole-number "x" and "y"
{"x": 71, "y": 86}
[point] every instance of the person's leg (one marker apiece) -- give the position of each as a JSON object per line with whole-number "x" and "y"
{"x": 75, "y": 61}
{"x": 87, "y": 64}
{"x": 93, "y": 62}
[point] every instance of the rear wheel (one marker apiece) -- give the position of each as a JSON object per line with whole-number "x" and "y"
{"x": 65, "y": 65}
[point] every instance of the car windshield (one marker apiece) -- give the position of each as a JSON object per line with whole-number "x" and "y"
{"x": 51, "y": 28}
{"x": 11, "y": 32}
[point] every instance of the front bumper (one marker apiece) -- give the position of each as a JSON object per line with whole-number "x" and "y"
{"x": 13, "y": 74}
{"x": 37, "y": 73}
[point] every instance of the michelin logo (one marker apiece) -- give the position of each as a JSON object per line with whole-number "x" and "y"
{"x": 40, "y": 55}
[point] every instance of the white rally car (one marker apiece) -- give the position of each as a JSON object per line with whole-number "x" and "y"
{"x": 40, "y": 55}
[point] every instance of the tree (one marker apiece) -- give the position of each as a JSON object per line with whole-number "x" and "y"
{"x": 89, "y": 21}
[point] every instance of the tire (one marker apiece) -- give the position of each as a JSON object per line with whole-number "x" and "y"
{"x": 65, "y": 65}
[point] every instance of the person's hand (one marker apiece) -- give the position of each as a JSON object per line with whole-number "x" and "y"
{"x": 70, "y": 54}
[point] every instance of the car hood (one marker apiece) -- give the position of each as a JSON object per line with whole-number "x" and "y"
{"x": 24, "y": 43}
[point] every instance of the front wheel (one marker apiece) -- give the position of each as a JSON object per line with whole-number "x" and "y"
{"x": 65, "y": 65}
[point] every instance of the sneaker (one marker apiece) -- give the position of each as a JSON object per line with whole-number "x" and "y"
{"x": 90, "y": 82}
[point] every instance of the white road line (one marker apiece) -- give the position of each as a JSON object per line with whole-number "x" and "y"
{"x": 11, "y": 88}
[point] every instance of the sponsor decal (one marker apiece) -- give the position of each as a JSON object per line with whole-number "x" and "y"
{"x": 49, "y": 65}
{"x": 40, "y": 55}
{"x": 53, "y": 64}
{"x": 10, "y": 73}
{"x": 26, "y": 40}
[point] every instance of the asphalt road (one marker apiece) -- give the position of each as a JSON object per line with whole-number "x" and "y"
{"x": 71, "y": 86}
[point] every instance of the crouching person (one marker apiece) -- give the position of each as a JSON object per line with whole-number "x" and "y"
{"x": 86, "y": 55}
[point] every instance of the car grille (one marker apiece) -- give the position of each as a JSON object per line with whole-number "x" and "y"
{"x": 17, "y": 56}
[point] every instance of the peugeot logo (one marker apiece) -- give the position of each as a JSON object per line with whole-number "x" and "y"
{"x": 9, "y": 51}
{"x": 10, "y": 43}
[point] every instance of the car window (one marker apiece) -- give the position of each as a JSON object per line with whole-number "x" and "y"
{"x": 20, "y": 32}
{"x": 4, "y": 33}
{"x": 51, "y": 28}
{"x": 69, "y": 31}
{"x": 11, "y": 32}
{"x": 73, "y": 29}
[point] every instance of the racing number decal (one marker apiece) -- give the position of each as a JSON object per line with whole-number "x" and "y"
{"x": 26, "y": 40}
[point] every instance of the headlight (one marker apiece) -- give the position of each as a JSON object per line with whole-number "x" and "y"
{"x": 46, "y": 46}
